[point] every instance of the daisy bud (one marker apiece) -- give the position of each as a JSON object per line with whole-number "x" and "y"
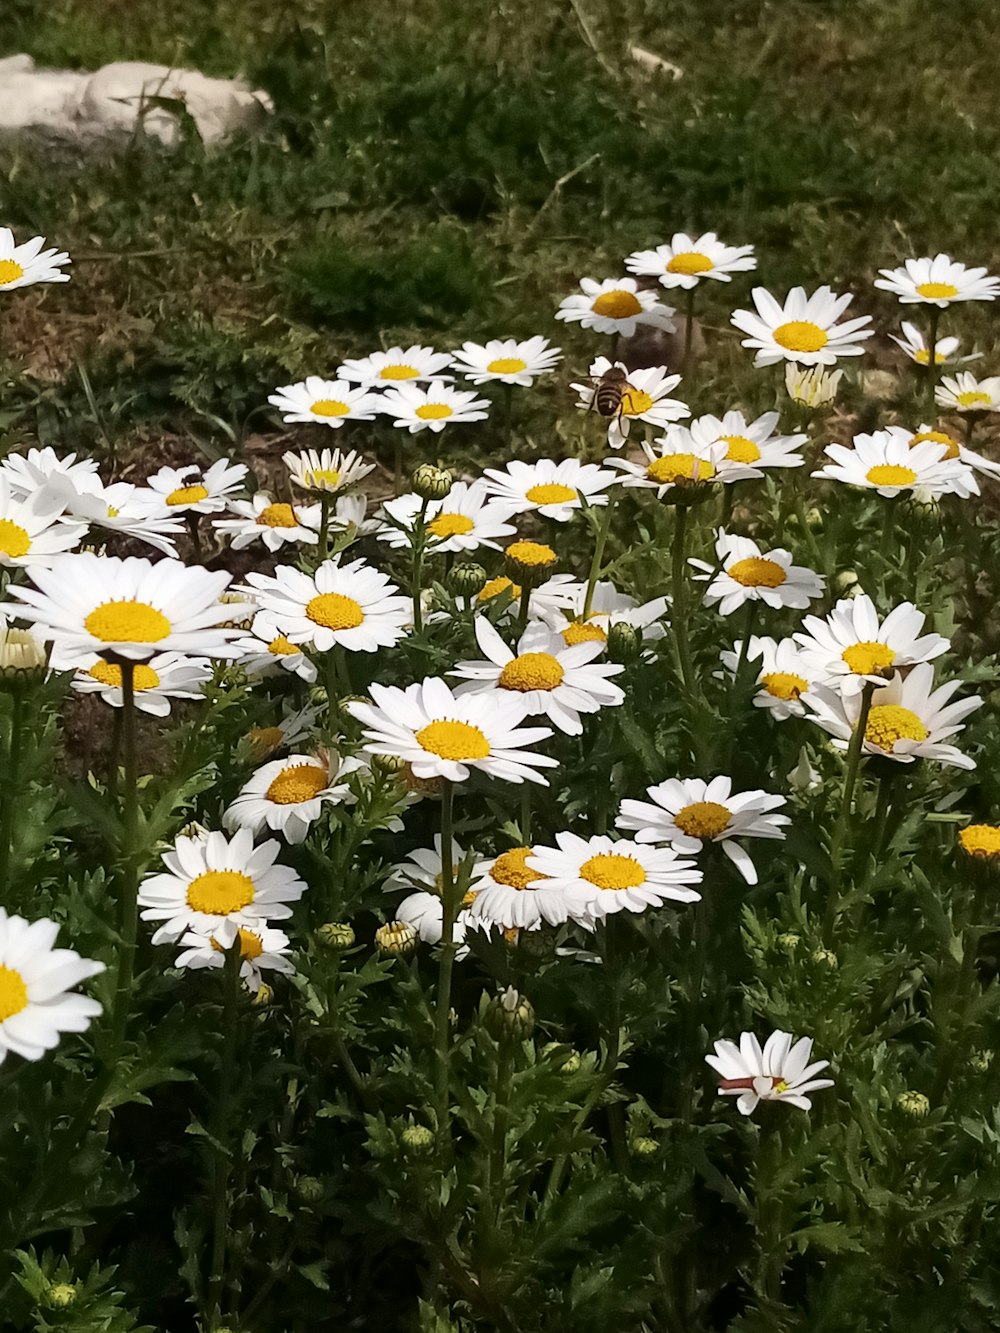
{"x": 643, "y": 1147}
{"x": 509, "y": 1014}
{"x": 336, "y": 936}
{"x": 417, "y": 1139}
{"x": 430, "y": 482}
{"x": 467, "y": 580}
{"x": 61, "y": 1294}
{"x": 23, "y": 658}
{"x": 814, "y": 520}
{"x": 981, "y": 841}
{"x": 309, "y": 1189}
{"x": 244, "y": 610}
{"x": 263, "y": 995}
{"x": 825, "y": 958}
{"x": 913, "y": 1105}
{"x": 539, "y": 944}
{"x": 788, "y": 942}
{"x": 388, "y": 765}
{"x": 624, "y": 642}
{"x": 529, "y": 562}
{"x": 981, "y": 1061}
{"x": 396, "y": 938}
{"x": 846, "y": 582}
{"x": 571, "y": 1065}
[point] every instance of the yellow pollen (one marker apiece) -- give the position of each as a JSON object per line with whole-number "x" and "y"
{"x": 981, "y": 840}
{"x": 922, "y": 356}
{"x": 251, "y": 944}
{"x": 741, "y": 449}
{"x": 453, "y": 740}
{"x": 322, "y": 477}
{"x": 611, "y": 871}
{"x": 635, "y": 402}
{"x": 113, "y": 512}
{"x": 281, "y": 647}
{"x": 937, "y": 291}
{"x": 800, "y": 335}
{"x": 450, "y": 525}
{"x": 551, "y": 493}
{"x": 219, "y": 892}
{"x": 434, "y": 411}
{"x": 509, "y": 868}
{"x": 889, "y": 723}
{"x": 617, "y": 304}
{"x": 299, "y": 783}
{"x": 784, "y": 685}
{"x": 496, "y": 586}
{"x": 703, "y": 819}
{"x": 334, "y": 611}
{"x": 507, "y": 365}
{"x": 13, "y": 991}
{"x": 187, "y": 495}
{"x": 330, "y": 407}
{"x": 890, "y": 474}
{"x": 937, "y": 437}
{"x": 127, "y": 622}
{"x": 10, "y": 271}
{"x": 469, "y": 897}
{"x": 399, "y": 372}
{"x": 531, "y": 671}
{"x": 14, "y": 540}
{"x": 972, "y": 398}
{"x": 581, "y": 632}
{"x": 534, "y": 555}
{"x": 108, "y": 673}
{"x": 756, "y": 572}
{"x": 780, "y": 1085}
{"x": 679, "y": 468}
{"x": 868, "y": 658}
{"x": 689, "y": 262}
{"x": 277, "y": 516}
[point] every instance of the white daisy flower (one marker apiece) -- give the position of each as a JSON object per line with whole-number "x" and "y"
{"x": 130, "y": 511}
{"x": 940, "y": 281}
{"x": 914, "y": 344}
{"x": 164, "y": 677}
{"x": 644, "y": 398}
{"x": 423, "y": 909}
{"x": 908, "y": 719}
{"x": 677, "y": 461}
{"x": 328, "y": 470}
{"x": 608, "y": 607}
{"x": 545, "y": 676}
{"x": 100, "y": 604}
{"x": 433, "y": 407}
{"x": 25, "y": 264}
{"x": 804, "y": 329}
{"x": 288, "y": 795}
{"x": 780, "y": 1072}
{"x": 467, "y": 518}
{"x": 850, "y": 646}
{"x": 749, "y": 576}
{"x": 955, "y": 449}
{"x": 351, "y": 511}
{"x": 29, "y": 472}
{"x": 514, "y": 897}
{"x": 32, "y": 529}
{"x": 506, "y": 361}
{"x": 396, "y": 366}
{"x": 812, "y": 387}
{"x": 885, "y": 462}
{"x": 601, "y": 875}
{"x": 748, "y": 443}
{"x": 685, "y": 260}
{"x": 782, "y": 674}
{"x": 353, "y": 605}
{"x": 273, "y": 522}
{"x": 688, "y": 812}
{"x": 326, "y": 402}
{"x": 548, "y": 599}
{"x": 554, "y": 490}
{"x": 615, "y": 305}
{"x": 295, "y": 726}
{"x": 443, "y": 736}
{"x": 36, "y": 982}
{"x": 262, "y": 949}
{"x": 212, "y": 879}
{"x": 964, "y": 393}
{"x": 265, "y": 651}
{"x": 189, "y": 490}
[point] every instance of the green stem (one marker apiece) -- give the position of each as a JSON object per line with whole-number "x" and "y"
{"x": 522, "y": 612}
{"x": 600, "y": 541}
{"x": 324, "y": 524}
{"x": 397, "y": 463}
{"x": 678, "y": 591}
{"x": 840, "y": 831}
{"x": 10, "y": 793}
{"x": 114, "y": 757}
{"x": 526, "y": 790}
{"x": 507, "y": 419}
{"x": 888, "y": 529}
{"x": 749, "y": 623}
{"x": 220, "y": 1133}
{"x": 449, "y": 913}
{"x": 129, "y": 900}
{"x": 688, "y": 325}
{"x": 419, "y": 537}
{"x": 970, "y": 426}
{"x": 932, "y": 341}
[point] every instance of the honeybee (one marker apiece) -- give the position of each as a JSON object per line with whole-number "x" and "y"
{"x": 609, "y": 392}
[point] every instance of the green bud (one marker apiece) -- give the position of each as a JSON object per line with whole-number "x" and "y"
{"x": 825, "y": 958}
{"x": 387, "y": 765}
{"x": 336, "y": 936}
{"x": 643, "y": 1147}
{"x": 430, "y": 482}
{"x": 814, "y": 520}
{"x": 845, "y": 581}
{"x": 624, "y": 642}
{"x": 913, "y": 1105}
{"x": 467, "y": 580}
{"x": 981, "y": 1061}
{"x": 537, "y": 944}
{"x": 263, "y": 995}
{"x": 24, "y": 660}
{"x": 396, "y": 938}
{"x": 788, "y": 942}
{"x": 61, "y": 1294}
{"x": 309, "y": 1189}
{"x": 417, "y": 1139}
{"x": 510, "y": 1014}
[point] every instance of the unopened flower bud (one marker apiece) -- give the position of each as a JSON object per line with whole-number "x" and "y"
{"x": 643, "y": 1146}
{"x": 263, "y": 995}
{"x": 981, "y": 1061}
{"x": 467, "y": 580}
{"x": 417, "y": 1139}
{"x": 814, "y": 520}
{"x": 244, "y": 610}
{"x": 624, "y": 642}
{"x": 23, "y": 659}
{"x": 537, "y": 944}
{"x": 913, "y": 1105}
{"x": 825, "y": 958}
{"x": 788, "y": 942}
{"x": 430, "y": 482}
{"x": 529, "y": 562}
{"x": 61, "y": 1294}
{"x": 396, "y": 938}
{"x": 510, "y": 1014}
{"x": 336, "y": 936}
{"x": 309, "y": 1189}
{"x": 845, "y": 581}
{"x": 387, "y": 765}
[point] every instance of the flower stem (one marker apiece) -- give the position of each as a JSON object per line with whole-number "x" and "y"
{"x": 324, "y": 524}
{"x": 397, "y": 464}
{"x": 840, "y": 830}
{"x": 220, "y": 1133}
{"x": 10, "y": 793}
{"x": 678, "y": 597}
{"x": 749, "y": 623}
{"x": 419, "y": 538}
{"x": 688, "y": 325}
{"x": 522, "y": 611}
{"x": 449, "y": 913}
{"x": 129, "y": 893}
{"x": 932, "y": 340}
{"x": 600, "y": 541}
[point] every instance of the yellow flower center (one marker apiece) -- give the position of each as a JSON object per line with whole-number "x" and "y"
{"x": 399, "y": 372}
{"x": 299, "y": 783}
{"x": 689, "y": 262}
{"x": 434, "y": 411}
{"x": 617, "y": 304}
{"x": 265, "y": 739}
{"x": 282, "y": 648}
{"x": 674, "y": 468}
{"x": 972, "y": 398}
{"x": 187, "y": 495}
{"x": 531, "y": 671}
{"x": 109, "y": 673}
{"x": 533, "y": 555}
{"x": 800, "y": 335}
{"x": 611, "y": 871}
{"x": 922, "y": 356}
{"x": 757, "y": 572}
{"x": 13, "y": 991}
{"x": 10, "y": 271}
{"x": 890, "y": 474}
{"x": 937, "y": 291}
{"x": 741, "y": 449}
{"x": 868, "y": 658}
{"x": 550, "y": 494}
{"x": 251, "y": 944}
{"x": 277, "y": 516}
{"x": 635, "y": 402}
{"x": 469, "y": 897}
{"x": 937, "y": 437}
{"x": 889, "y": 723}
{"x": 334, "y": 611}
{"x": 453, "y": 740}
{"x": 329, "y": 407}
{"x": 450, "y": 525}
{"x": 496, "y": 586}
{"x": 509, "y": 868}
{"x": 113, "y": 512}
{"x": 14, "y": 540}
{"x": 507, "y": 365}
{"x": 780, "y": 1085}
{"x": 127, "y": 622}
{"x": 784, "y": 684}
{"x": 322, "y": 477}
{"x": 219, "y": 892}
{"x": 982, "y": 840}
{"x": 703, "y": 819}
{"x": 581, "y": 632}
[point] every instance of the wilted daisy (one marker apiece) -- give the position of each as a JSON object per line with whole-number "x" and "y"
{"x": 514, "y": 897}
{"x": 288, "y": 795}
{"x": 688, "y": 812}
{"x": 353, "y": 605}
{"x": 804, "y": 329}
{"x": 506, "y": 361}
{"x": 964, "y": 393}
{"x": 554, "y": 490}
{"x": 851, "y": 646}
{"x": 189, "y": 490}
{"x": 36, "y": 982}
{"x": 327, "y": 470}
{"x": 441, "y": 735}
{"x": 164, "y": 677}
{"x": 31, "y": 532}
{"x": 262, "y": 949}
{"x": 326, "y": 402}
{"x": 886, "y": 462}
{"x": 685, "y": 260}
{"x": 396, "y": 366}
{"x": 601, "y": 875}
{"x": 812, "y": 387}
{"x": 29, "y": 472}
{"x": 748, "y": 443}
{"x": 608, "y": 607}
{"x": 129, "y": 511}
{"x": 25, "y": 264}
{"x": 211, "y": 879}
{"x": 940, "y": 281}
{"x": 645, "y": 397}
{"x": 747, "y": 575}
{"x": 544, "y": 675}
{"x": 432, "y": 407}
{"x": 780, "y": 1072}
{"x": 468, "y": 517}
{"x": 914, "y": 344}
{"x": 265, "y": 651}
{"x": 99, "y": 604}
{"x": 275, "y": 523}
{"x": 615, "y": 305}
{"x": 781, "y": 674}
{"x": 908, "y": 719}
